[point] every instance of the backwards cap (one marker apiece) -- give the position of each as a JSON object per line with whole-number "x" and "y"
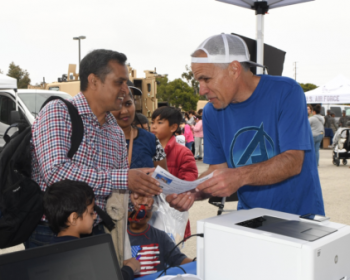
{"x": 224, "y": 48}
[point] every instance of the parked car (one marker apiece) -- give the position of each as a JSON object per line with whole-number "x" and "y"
{"x": 29, "y": 102}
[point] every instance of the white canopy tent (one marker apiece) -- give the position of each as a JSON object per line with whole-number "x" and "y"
{"x": 7, "y": 82}
{"x": 336, "y": 91}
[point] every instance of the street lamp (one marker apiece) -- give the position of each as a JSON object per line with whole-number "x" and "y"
{"x": 261, "y": 7}
{"x": 79, "y": 38}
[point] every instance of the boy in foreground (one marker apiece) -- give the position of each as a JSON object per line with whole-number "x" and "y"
{"x": 69, "y": 209}
{"x": 152, "y": 247}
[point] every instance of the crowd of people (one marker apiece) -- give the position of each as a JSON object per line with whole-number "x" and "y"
{"x": 191, "y": 133}
{"x": 320, "y": 123}
{"x": 258, "y": 143}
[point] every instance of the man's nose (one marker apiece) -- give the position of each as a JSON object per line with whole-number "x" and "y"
{"x": 125, "y": 88}
{"x": 203, "y": 90}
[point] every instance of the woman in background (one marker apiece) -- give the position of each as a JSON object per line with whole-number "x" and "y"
{"x": 198, "y": 138}
{"x": 317, "y": 128}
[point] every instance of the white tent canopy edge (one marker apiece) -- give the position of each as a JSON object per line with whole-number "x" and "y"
{"x": 336, "y": 91}
{"x": 7, "y": 82}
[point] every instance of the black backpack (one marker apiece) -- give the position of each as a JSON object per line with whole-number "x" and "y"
{"x": 21, "y": 200}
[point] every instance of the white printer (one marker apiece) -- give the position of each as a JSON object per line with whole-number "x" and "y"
{"x": 270, "y": 245}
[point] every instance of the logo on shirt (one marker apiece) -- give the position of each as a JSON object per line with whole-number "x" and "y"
{"x": 251, "y": 145}
{"x": 148, "y": 256}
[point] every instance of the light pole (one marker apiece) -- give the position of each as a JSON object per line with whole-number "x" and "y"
{"x": 79, "y": 38}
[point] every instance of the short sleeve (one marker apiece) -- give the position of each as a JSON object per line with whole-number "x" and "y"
{"x": 160, "y": 154}
{"x": 213, "y": 151}
{"x": 294, "y": 132}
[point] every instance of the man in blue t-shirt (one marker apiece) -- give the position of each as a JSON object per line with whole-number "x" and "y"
{"x": 257, "y": 136}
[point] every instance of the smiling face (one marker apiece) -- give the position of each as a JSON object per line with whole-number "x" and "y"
{"x": 111, "y": 92}
{"x": 126, "y": 115}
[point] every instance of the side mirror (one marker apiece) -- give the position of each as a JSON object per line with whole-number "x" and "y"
{"x": 15, "y": 117}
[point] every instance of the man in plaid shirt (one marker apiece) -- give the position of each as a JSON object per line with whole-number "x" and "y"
{"x": 101, "y": 160}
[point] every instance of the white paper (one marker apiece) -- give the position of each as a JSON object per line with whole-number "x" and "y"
{"x": 171, "y": 184}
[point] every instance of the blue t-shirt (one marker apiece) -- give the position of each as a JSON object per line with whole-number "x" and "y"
{"x": 271, "y": 121}
{"x": 143, "y": 150}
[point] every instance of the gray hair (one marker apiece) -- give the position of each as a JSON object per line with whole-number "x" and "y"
{"x": 245, "y": 65}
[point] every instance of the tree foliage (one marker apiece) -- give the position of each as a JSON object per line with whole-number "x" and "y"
{"x": 177, "y": 93}
{"x": 307, "y": 87}
{"x": 22, "y": 76}
{"x": 189, "y": 77}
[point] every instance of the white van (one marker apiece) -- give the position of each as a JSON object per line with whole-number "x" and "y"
{"x": 29, "y": 103}
{"x": 337, "y": 109}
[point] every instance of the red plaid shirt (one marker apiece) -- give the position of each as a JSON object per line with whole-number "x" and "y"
{"x": 101, "y": 160}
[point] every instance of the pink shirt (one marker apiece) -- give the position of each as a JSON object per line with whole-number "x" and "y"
{"x": 198, "y": 129}
{"x": 188, "y": 134}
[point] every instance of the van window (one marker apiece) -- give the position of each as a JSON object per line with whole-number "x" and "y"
{"x": 347, "y": 111}
{"x": 34, "y": 101}
{"x": 336, "y": 111}
{"x": 6, "y": 106}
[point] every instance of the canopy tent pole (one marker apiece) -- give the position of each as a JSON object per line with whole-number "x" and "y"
{"x": 261, "y": 9}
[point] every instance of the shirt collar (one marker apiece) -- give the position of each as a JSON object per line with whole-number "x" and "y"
{"x": 170, "y": 145}
{"x": 84, "y": 109}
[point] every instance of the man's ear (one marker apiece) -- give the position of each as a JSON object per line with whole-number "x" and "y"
{"x": 72, "y": 219}
{"x": 174, "y": 127}
{"x": 235, "y": 68}
{"x": 93, "y": 80}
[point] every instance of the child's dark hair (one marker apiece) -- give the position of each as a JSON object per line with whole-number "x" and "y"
{"x": 171, "y": 114}
{"x": 140, "y": 119}
{"x": 62, "y": 199}
{"x": 191, "y": 112}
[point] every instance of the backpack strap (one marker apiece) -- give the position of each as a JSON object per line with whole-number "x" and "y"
{"x": 77, "y": 124}
{"x": 76, "y": 139}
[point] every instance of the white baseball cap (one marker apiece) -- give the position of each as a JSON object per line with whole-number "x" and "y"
{"x": 224, "y": 48}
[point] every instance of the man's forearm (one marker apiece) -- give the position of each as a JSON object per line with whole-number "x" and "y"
{"x": 274, "y": 170}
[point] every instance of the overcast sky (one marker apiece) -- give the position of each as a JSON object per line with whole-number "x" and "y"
{"x": 38, "y": 34}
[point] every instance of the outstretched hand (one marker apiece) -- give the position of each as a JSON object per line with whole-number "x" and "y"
{"x": 181, "y": 202}
{"x": 143, "y": 184}
{"x": 225, "y": 182}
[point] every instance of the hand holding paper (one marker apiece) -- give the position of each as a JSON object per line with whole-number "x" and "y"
{"x": 171, "y": 184}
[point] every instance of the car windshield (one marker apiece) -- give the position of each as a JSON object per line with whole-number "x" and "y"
{"x": 34, "y": 100}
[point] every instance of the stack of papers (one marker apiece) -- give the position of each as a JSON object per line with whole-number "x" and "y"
{"x": 171, "y": 184}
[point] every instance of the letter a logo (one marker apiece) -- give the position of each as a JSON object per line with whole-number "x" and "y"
{"x": 260, "y": 147}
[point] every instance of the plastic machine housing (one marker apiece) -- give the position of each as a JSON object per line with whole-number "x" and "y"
{"x": 289, "y": 248}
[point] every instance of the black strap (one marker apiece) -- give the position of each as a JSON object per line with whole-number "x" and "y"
{"x": 107, "y": 220}
{"x": 76, "y": 139}
{"x": 77, "y": 124}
